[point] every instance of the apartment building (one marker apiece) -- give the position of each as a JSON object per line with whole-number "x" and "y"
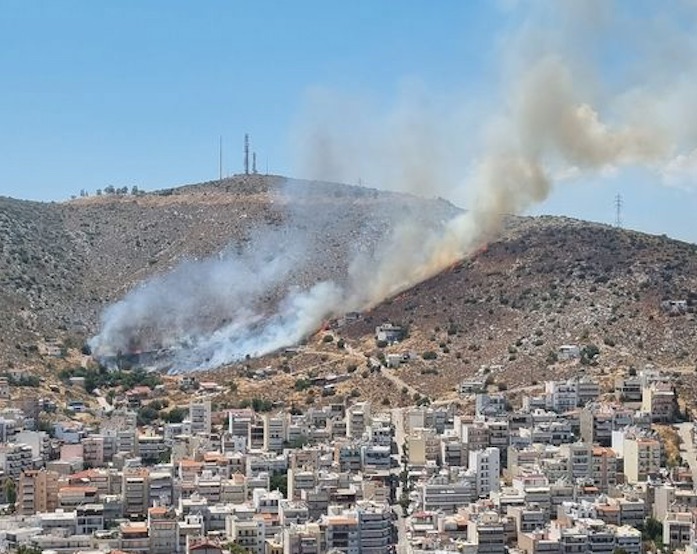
{"x": 275, "y": 432}
{"x": 485, "y": 464}
{"x": 37, "y": 491}
{"x": 486, "y": 532}
{"x": 357, "y": 419}
{"x": 642, "y": 458}
{"x": 659, "y": 400}
{"x": 200, "y": 417}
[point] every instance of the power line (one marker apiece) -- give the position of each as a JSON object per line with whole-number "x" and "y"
{"x": 618, "y": 210}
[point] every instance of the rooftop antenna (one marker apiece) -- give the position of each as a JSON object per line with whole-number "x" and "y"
{"x": 246, "y": 154}
{"x": 254, "y": 163}
{"x": 618, "y": 211}
{"x": 220, "y": 158}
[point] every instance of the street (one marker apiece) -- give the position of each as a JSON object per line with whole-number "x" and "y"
{"x": 403, "y": 546}
{"x": 687, "y": 447}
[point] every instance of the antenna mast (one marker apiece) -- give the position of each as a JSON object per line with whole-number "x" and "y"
{"x": 618, "y": 210}
{"x": 254, "y": 163}
{"x": 220, "y": 159}
{"x": 246, "y": 154}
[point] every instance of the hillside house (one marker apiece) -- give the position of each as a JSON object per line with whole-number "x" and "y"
{"x": 52, "y": 347}
{"x": 472, "y": 386}
{"x": 210, "y": 386}
{"x": 659, "y": 400}
{"x": 348, "y": 318}
{"x": 568, "y": 352}
{"x": 389, "y": 333}
{"x": 674, "y": 307}
{"x": 628, "y": 389}
{"x": 77, "y": 406}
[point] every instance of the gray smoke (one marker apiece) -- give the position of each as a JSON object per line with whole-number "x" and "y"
{"x": 198, "y": 297}
{"x": 271, "y": 291}
{"x": 554, "y": 116}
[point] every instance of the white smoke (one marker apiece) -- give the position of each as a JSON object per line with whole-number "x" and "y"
{"x": 553, "y": 116}
{"x": 681, "y": 172}
{"x": 197, "y": 296}
{"x": 298, "y": 315}
{"x": 261, "y": 296}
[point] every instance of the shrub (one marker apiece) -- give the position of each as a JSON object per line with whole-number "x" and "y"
{"x": 175, "y": 415}
{"x": 327, "y": 338}
{"x": 589, "y": 353}
{"x": 261, "y": 405}
{"x": 429, "y": 355}
{"x": 147, "y": 415}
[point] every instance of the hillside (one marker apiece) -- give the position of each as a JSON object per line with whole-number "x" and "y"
{"x": 502, "y": 315}
{"x": 549, "y": 283}
{"x": 62, "y": 263}
{"x": 499, "y": 316}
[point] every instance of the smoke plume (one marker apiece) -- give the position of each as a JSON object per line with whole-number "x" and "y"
{"x": 269, "y": 292}
{"x": 562, "y": 109}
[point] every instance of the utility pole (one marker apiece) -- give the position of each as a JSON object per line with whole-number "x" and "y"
{"x": 618, "y": 211}
{"x": 220, "y": 158}
{"x": 246, "y": 154}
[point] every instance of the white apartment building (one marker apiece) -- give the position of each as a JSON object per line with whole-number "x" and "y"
{"x": 485, "y": 463}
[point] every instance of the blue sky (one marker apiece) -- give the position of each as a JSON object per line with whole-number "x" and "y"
{"x": 137, "y": 93}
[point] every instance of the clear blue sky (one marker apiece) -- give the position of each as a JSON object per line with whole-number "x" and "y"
{"x": 137, "y": 93}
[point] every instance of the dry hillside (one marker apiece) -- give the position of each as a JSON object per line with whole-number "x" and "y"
{"x": 62, "y": 263}
{"x": 501, "y": 315}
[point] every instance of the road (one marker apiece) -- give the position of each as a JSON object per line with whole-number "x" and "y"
{"x": 386, "y": 372}
{"x": 389, "y": 374}
{"x": 403, "y": 546}
{"x": 687, "y": 447}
